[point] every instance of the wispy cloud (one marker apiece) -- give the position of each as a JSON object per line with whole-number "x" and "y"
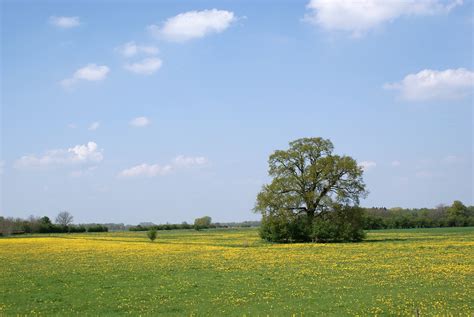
{"x": 94, "y": 126}
{"x": 367, "y": 165}
{"x": 152, "y": 170}
{"x": 146, "y": 170}
{"x": 131, "y": 49}
{"x": 65, "y": 22}
{"x": 182, "y": 161}
{"x": 146, "y": 66}
{"x": 140, "y": 122}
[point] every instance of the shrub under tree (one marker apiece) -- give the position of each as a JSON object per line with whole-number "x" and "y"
{"x": 342, "y": 224}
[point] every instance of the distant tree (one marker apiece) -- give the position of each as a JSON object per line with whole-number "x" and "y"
{"x": 308, "y": 181}
{"x": 64, "y": 218}
{"x": 202, "y": 223}
{"x": 32, "y": 224}
{"x": 457, "y": 214}
{"x": 457, "y": 209}
{"x": 45, "y": 220}
{"x": 7, "y": 226}
{"x": 151, "y": 234}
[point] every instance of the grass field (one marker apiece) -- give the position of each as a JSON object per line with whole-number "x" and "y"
{"x": 232, "y": 272}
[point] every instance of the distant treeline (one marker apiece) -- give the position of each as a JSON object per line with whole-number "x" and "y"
{"x": 14, "y": 226}
{"x": 456, "y": 215}
{"x": 197, "y": 226}
{"x": 167, "y": 226}
{"x": 10, "y": 226}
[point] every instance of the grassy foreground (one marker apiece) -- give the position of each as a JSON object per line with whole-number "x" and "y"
{"x": 232, "y": 272}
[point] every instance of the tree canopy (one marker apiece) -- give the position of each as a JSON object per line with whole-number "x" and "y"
{"x": 308, "y": 178}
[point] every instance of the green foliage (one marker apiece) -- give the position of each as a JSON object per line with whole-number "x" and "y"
{"x": 185, "y": 226}
{"x": 138, "y": 228}
{"x": 308, "y": 180}
{"x": 202, "y": 223}
{"x": 50, "y": 228}
{"x": 166, "y": 226}
{"x": 275, "y": 228}
{"x": 285, "y": 227}
{"x": 457, "y": 215}
{"x": 151, "y": 234}
{"x": 77, "y": 229}
{"x": 97, "y": 228}
{"x": 45, "y": 220}
{"x": 342, "y": 224}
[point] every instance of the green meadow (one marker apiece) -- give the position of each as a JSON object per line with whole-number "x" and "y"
{"x": 418, "y": 272}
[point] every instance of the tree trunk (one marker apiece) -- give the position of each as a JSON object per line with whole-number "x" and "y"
{"x": 310, "y": 214}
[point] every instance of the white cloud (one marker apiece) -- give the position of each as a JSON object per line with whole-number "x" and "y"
{"x": 189, "y": 161}
{"x": 358, "y": 17}
{"x": 65, "y": 22}
{"x": 90, "y": 72}
{"x": 145, "y": 67}
{"x": 140, "y": 122}
{"x": 396, "y": 163}
{"x": 94, "y": 126}
{"x": 72, "y": 126}
{"x": 152, "y": 170}
{"x": 367, "y": 165}
{"x": 435, "y": 85}
{"x": 86, "y": 152}
{"x": 193, "y": 24}
{"x": 131, "y": 49}
{"x": 79, "y": 154}
{"x": 146, "y": 170}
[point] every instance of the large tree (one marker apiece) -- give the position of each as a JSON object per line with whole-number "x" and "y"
{"x": 309, "y": 179}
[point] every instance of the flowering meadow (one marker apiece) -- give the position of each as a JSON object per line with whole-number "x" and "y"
{"x": 419, "y": 272}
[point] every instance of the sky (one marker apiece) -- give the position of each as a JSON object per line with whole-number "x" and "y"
{"x": 164, "y": 111}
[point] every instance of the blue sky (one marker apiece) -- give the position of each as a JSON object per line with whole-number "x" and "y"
{"x": 163, "y": 111}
